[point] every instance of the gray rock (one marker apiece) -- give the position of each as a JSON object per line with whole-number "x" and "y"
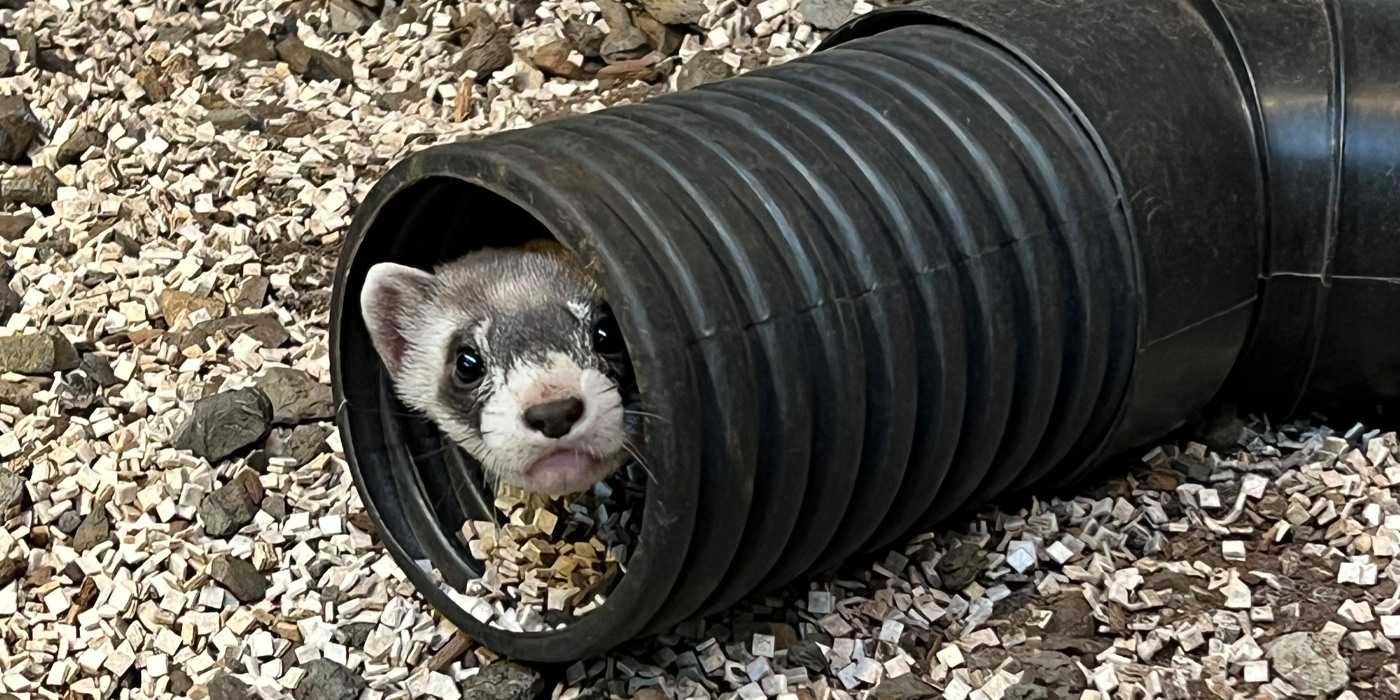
{"x": 703, "y": 67}
{"x": 328, "y": 680}
{"x": 19, "y": 128}
{"x": 59, "y": 244}
{"x": 353, "y": 634}
{"x": 10, "y": 302}
{"x": 586, "y": 38}
{"x": 94, "y": 530}
{"x": 68, "y": 523}
{"x": 675, "y": 11}
{"x": 1310, "y": 662}
{"x": 11, "y": 569}
{"x": 11, "y": 489}
{"x": 225, "y": 423}
{"x": 41, "y": 353}
{"x": 255, "y": 45}
{"x": 905, "y": 687}
{"x": 487, "y": 48}
{"x": 77, "y": 393}
{"x": 826, "y": 14}
{"x": 1027, "y": 691}
{"x": 314, "y": 64}
{"x": 962, "y": 565}
{"x": 99, "y": 369}
{"x": 13, "y": 226}
{"x": 36, "y": 186}
{"x": 295, "y": 395}
{"x": 264, "y": 328}
{"x": 8, "y": 62}
{"x": 276, "y": 506}
{"x": 226, "y": 687}
{"x": 252, "y": 293}
{"x": 180, "y": 682}
{"x": 226, "y": 510}
{"x": 233, "y": 119}
{"x": 503, "y": 681}
{"x": 808, "y": 655}
{"x": 1052, "y": 671}
{"x": 240, "y": 577}
{"x": 624, "y": 40}
{"x": 72, "y": 150}
{"x": 20, "y": 395}
{"x": 348, "y": 16}
{"x": 306, "y": 442}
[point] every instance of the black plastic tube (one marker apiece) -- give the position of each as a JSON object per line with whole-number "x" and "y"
{"x": 965, "y": 248}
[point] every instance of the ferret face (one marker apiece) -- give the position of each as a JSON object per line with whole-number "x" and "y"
{"x": 514, "y": 355}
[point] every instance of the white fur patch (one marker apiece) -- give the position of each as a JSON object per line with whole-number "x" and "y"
{"x": 509, "y": 447}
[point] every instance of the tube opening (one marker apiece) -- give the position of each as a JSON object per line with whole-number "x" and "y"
{"x": 517, "y": 561}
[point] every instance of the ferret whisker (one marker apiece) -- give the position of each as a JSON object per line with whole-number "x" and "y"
{"x": 644, "y": 414}
{"x": 632, "y": 450}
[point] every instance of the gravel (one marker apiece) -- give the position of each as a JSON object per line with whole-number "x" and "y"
{"x": 172, "y": 226}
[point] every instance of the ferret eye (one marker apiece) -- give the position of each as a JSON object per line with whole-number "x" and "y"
{"x": 469, "y": 368}
{"x": 607, "y": 338}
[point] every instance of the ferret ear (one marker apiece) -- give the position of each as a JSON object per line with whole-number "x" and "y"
{"x": 389, "y": 302}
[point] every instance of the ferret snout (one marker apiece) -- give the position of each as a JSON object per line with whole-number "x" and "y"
{"x": 554, "y": 419}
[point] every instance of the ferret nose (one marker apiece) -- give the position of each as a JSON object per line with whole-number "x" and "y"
{"x": 556, "y": 418}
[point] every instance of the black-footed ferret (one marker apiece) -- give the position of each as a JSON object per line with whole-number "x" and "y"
{"x": 515, "y": 356}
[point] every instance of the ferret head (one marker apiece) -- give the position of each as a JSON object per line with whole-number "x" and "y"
{"x": 515, "y": 356}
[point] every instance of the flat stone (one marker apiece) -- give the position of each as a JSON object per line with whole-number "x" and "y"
{"x": 553, "y": 59}
{"x": 94, "y": 530}
{"x": 487, "y": 48}
{"x": 19, "y": 128}
{"x": 254, "y": 45}
{"x": 704, "y": 67}
{"x": 826, "y": 14}
{"x": 69, "y": 522}
{"x": 226, "y": 687}
{"x": 808, "y": 655}
{"x": 82, "y": 139}
{"x": 11, "y": 569}
{"x": 36, "y": 186}
{"x": 8, "y": 62}
{"x": 905, "y": 687}
{"x": 264, "y": 328}
{"x": 11, "y": 489}
{"x": 39, "y": 353}
{"x": 328, "y": 680}
{"x": 98, "y": 369}
{"x": 664, "y": 37}
{"x": 306, "y": 442}
{"x": 240, "y": 577}
{"x": 14, "y": 226}
{"x": 180, "y": 682}
{"x": 503, "y": 681}
{"x": 675, "y": 11}
{"x": 222, "y": 424}
{"x": 175, "y": 305}
{"x": 314, "y": 64}
{"x": 227, "y": 510}
{"x": 624, "y": 40}
{"x": 296, "y": 396}
{"x": 624, "y": 72}
{"x": 353, "y": 634}
{"x": 585, "y": 38}
{"x": 348, "y": 16}
{"x": 1309, "y": 662}
{"x": 10, "y": 302}
{"x": 233, "y": 119}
